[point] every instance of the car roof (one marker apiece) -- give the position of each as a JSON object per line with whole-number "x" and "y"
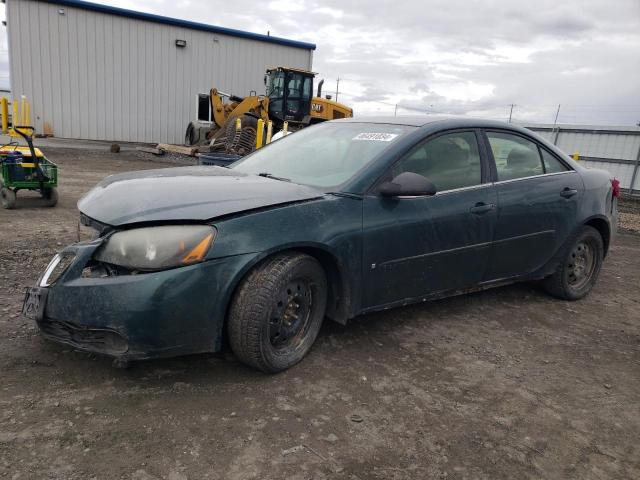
{"x": 422, "y": 120}
{"x": 413, "y": 120}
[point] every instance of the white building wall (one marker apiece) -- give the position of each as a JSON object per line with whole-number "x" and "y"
{"x": 94, "y": 75}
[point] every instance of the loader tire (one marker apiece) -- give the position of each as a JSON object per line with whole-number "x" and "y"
{"x": 192, "y": 135}
{"x": 241, "y": 142}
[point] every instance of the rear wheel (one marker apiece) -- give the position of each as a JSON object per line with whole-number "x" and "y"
{"x": 277, "y": 312}
{"x": 7, "y": 197}
{"x": 50, "y": 196}
{"x": 578, "y": 270}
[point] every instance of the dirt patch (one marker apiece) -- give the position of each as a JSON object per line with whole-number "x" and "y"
{"x": 629, "y": 208}
{"x": 507, "y": 383}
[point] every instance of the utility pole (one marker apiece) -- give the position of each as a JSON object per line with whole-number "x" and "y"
{"x": 337, "y": 85}
{"x": 557, "y": 113}
{"x": 395, "y": 112}
{"x": 511, "y": 111}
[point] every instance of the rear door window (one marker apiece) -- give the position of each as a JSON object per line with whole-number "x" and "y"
{"x": 515, "y": 156}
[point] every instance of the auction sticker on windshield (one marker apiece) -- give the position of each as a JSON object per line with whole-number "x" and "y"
{"x": 377, "y": 137}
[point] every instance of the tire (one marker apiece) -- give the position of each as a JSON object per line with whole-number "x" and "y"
{"x": 7, "y": 197}
{"x": 192, "y": 135}
{"x": 50, "y": 197}
{"x": 580, "y": 264}
{"x": 277, "y": 312}
{"x": 244, "y": 141}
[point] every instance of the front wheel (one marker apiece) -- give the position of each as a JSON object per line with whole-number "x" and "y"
{"x": 578, "y": 270}
{"x": 7, "y": 197}
{"x": 277, "y": 312}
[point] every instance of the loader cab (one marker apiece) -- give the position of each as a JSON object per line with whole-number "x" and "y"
{"x": 289, "y": 91}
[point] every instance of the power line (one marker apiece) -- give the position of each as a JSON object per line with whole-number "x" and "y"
{"x": 489, "y": 106}
{"x": 483, "y": 110}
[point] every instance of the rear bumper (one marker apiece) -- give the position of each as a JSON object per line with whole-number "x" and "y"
{"x": 133, "y": 317}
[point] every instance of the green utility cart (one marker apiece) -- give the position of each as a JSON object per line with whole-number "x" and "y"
{"x": 26, "y": 168}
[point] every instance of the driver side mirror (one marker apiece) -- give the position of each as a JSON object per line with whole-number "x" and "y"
{"x": 408, "y": 184}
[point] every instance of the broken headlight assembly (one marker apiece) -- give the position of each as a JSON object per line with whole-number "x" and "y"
{"x": 157, "y": 248}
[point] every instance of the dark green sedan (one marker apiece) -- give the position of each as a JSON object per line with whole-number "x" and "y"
{"x": 334, "y": 221}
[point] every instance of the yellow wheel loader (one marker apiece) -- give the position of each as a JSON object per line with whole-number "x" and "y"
{"x": 288, "y": 100}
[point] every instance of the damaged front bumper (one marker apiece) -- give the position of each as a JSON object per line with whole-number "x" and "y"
{"x": 133, "y": 316}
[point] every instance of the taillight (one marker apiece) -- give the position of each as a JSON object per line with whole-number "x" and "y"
{"x": 615, "y": 185}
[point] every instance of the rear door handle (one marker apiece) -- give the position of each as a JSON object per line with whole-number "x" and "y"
{"x": 568, "y": 192}
{"x": 481, "y": 208}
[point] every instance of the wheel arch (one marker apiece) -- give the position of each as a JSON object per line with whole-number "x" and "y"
{"x": 339, "y": 289}
{"x": 601, "y": 224}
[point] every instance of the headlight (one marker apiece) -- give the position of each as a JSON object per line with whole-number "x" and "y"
{"x": 156, "y": 248}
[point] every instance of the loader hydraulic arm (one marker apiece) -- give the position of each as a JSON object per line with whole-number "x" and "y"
{"x": 223, "y": 112}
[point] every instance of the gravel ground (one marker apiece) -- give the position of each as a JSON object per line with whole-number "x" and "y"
{"x": 503, "y": 384}
{"x": 629, "y": 214}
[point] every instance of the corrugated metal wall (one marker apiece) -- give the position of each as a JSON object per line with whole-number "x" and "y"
{"x": 615, "y": 151}
{"x": 96, "y": 76}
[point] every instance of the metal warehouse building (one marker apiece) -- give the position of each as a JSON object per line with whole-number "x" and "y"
{"x": 103, "y": 73}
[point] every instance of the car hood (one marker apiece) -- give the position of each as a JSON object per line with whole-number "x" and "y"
{"x": 185, "y": 193}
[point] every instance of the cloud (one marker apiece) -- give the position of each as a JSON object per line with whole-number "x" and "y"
{"x": 474, "y": 57}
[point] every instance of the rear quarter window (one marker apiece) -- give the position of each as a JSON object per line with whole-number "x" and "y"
{"x": 551, "y": 163}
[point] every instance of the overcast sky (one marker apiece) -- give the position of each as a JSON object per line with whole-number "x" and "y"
{"x": 452, "y": 56}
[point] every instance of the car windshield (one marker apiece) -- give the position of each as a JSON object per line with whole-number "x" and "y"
{"x": 325, "y": 155}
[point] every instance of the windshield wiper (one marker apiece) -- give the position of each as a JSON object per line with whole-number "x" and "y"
{"x": 269, "y": 175}
{"x": 346, "y": 194}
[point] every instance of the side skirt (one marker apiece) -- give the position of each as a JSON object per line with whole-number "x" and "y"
{"x": 451, "y": 293}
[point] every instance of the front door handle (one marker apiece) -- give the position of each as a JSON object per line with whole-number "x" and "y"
{"x": 481, "y": 208}
{"x": 568, "y": 192}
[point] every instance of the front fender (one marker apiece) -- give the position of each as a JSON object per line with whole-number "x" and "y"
{"x": 329, "y": 229}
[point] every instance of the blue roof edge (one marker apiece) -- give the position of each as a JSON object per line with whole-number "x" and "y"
{"x": 150, "y": 17}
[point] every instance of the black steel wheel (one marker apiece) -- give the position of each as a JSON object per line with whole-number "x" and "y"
{"x": 291, "y": 315}
{"x": 277, "y": 312}
{"x": 7, "y": 197}
{"x": 577, "y": 272}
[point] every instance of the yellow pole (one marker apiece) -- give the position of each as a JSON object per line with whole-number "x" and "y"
{"x": 4, "y": 111}
{"x": 269, "y": 131}
{"x": 259, "y": 133}
{"x": 27, "y": 112}
{"x": 15, "y": 118}
{"x": 285, "y": 128}
{"x": 23, "y": 108}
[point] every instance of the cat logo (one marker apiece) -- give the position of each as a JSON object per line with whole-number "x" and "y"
{"x": 316, "y": 107}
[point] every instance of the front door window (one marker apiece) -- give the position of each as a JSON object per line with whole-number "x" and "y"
{"x": 449, "y": 161}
